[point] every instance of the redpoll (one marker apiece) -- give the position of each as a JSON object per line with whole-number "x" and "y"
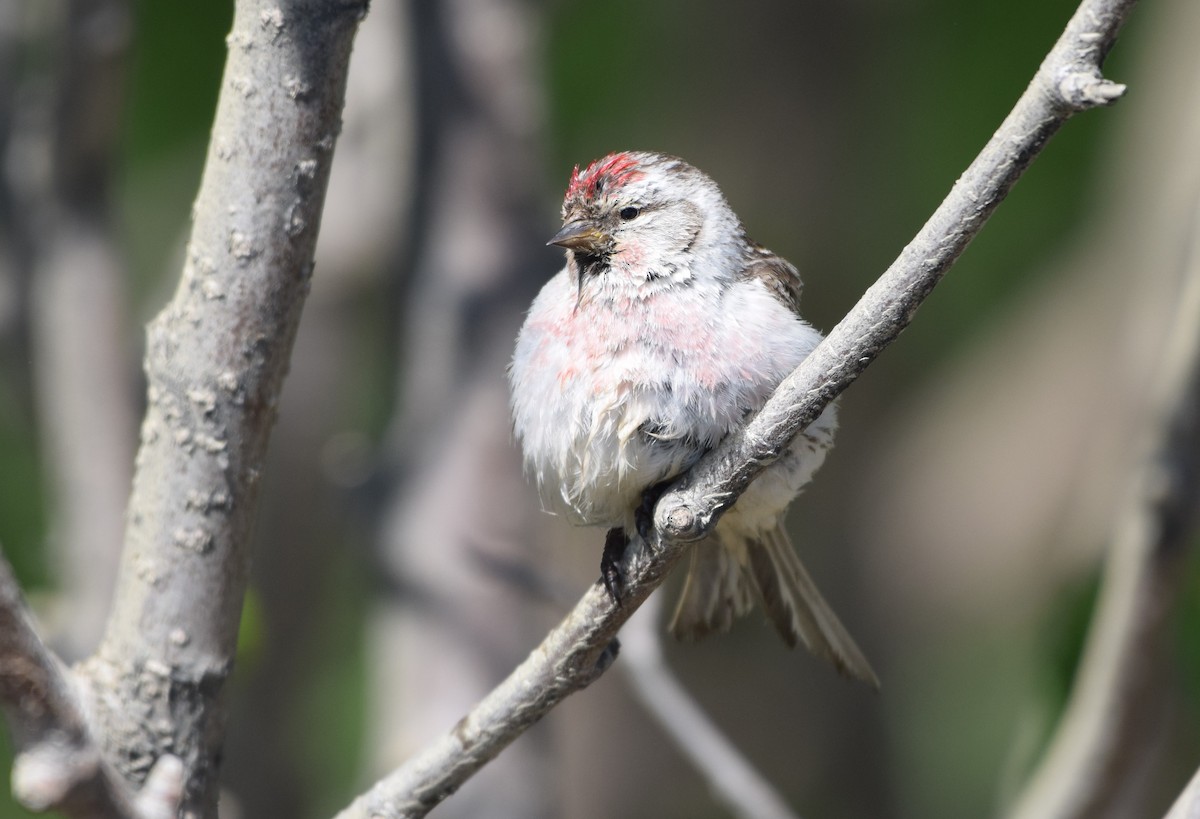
{"x": 667, "y": 329}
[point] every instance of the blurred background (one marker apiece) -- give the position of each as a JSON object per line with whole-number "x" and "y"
{"x": 402, "y": 566}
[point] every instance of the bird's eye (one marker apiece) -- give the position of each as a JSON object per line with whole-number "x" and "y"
{"x": 629, "y": 213}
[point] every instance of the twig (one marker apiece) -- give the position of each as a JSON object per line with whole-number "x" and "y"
{"x": 578, "y": 651}
{"x": 58, "y": 765}
{"x": 732, "y": 777}
{"x": 1103, "y": 731}
{"x": 215, "y": 363}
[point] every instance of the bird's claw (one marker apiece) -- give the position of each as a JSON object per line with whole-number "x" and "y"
{"x": 643, "y": 516}
{"x": 615, "y": 543}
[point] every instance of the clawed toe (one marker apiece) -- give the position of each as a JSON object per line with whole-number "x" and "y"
{"x": 643, "y": 516}
{"x": 615, "y": 543}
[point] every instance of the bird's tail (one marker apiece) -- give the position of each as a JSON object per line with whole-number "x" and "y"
{"x": 718, "y": 589}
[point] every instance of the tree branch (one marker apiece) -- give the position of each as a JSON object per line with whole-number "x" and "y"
{"x": 78, "y": 306}
{"x": 579, "y": 649}
{"x": 452, "y": 475}
{"x": 58, "y": 765}
{"x": 1104, "y": 729}
{"x": 215, "y": 363}
{"x": 1057, "y": 92}
{"x": 1187, "y": 806}
{"x": 730, "y": 775}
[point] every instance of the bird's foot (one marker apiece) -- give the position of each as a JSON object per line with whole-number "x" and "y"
{"x": 608, "y": 656}
{"x": 643, "y": 516}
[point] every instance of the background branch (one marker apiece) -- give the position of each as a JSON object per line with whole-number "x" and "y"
{"x": 732, "y": 777}
{"x": 1187, "y": 806}
{"x": 581, "y": 647}
{"x": 447, "y": 627}
{"x": 79, "y": 304}
{"x": 305, "y": 627}
{"x": 1103, "y": 733}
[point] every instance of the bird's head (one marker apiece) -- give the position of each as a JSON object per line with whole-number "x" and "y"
{"x": 646, "y": 220}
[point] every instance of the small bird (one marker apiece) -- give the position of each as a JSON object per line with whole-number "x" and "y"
{"x": 667, "y": 329}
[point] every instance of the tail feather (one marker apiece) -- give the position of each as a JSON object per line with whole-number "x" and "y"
{"x": 714, "y": 593}
{"x": 796, "y": 608}
{"x": 719, "y": 586}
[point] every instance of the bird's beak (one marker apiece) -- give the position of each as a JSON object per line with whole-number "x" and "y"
{"x": 582, "y": 235}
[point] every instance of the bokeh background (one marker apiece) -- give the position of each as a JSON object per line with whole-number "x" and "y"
{"x": 402, "y": 565}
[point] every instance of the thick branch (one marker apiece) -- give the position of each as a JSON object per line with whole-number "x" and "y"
{"x": 577, "y": 651}
{"x": 454, "y": 476}
{"x": 215, "y": 363}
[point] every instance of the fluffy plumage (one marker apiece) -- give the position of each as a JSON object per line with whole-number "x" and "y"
{"x": 666, "y": 330}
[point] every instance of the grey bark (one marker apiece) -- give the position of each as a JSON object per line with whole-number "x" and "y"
{"x": 59, "y": 764}
{"x": 304, "y": 533}
{"x": 581, "y": 648}
{"x": 216, "y": 357}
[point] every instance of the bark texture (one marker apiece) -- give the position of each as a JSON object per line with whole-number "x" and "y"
{"x": 215, "y": 361}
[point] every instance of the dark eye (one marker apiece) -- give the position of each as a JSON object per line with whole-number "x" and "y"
{"x": 629, "y": 213}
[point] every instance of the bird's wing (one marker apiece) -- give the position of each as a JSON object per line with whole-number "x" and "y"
{"x": 778, "y": 275}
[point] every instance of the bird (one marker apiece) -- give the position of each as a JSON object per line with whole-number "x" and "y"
{"x": 667, "y": 329}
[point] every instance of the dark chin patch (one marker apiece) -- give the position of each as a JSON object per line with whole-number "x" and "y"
{"x": 591, "y": 264}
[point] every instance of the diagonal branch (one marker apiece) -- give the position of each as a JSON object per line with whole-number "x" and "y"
{"x": 1187, "y": 806}
{"x": 579, "y": 649}
{"x": 1068, "y": 81}
{"x": 731, "y": 777}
